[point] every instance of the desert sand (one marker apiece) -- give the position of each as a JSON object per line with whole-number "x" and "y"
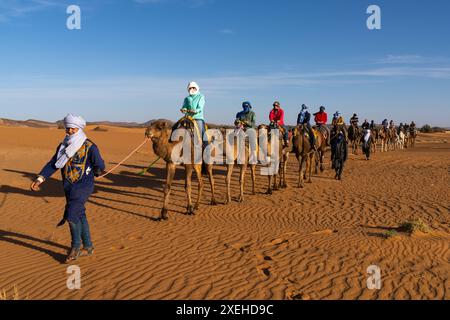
{"x": 312, "y": 243}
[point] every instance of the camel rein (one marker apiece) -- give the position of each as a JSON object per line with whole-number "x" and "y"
{"x": 126, "y": 158}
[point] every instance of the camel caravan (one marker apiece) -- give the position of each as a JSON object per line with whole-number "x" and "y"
{"x": 191, "y": 144}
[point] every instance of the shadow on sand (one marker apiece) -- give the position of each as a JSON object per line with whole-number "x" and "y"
{"x": 20, "y": 240}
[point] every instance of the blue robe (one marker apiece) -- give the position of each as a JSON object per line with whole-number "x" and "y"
{"x": 78, "y": 189}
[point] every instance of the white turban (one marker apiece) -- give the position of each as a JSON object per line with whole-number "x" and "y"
{"x": 71, "y": 121}
{"x": 72, "y": 143}
{"x": 193, "y": 84}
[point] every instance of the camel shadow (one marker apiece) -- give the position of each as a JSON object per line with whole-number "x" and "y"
{"x": 18, "y": 239}
{"x": 54, "y": 189}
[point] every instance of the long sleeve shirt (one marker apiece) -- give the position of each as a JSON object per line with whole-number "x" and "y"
{"x": 277, "y": 115}
{"x": 94, "y": 164}
{"x": 249, "y": 117}
{"x": 196, "y": 105}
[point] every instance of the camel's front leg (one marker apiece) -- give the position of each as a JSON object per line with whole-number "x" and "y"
{"x": 170, "y": 170}
{"x": 228, "y": 181}
{"x": 242, "y": 182}
{"x": 301, "y": 161}
{"x": 269, "y": 190}
{"x": 209, "y": 168}
{"x": 188, "y": 183}
{"x": 198, "y": 172}
{"x": 285, "y": 184}
{"x": 253, "y": 170}
{"x": 309, "y": 161}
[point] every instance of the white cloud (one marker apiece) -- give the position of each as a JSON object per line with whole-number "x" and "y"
{"x": 17, "y": 8}
{"x": 226, "y": 31}
{"x": 410, "y": 59}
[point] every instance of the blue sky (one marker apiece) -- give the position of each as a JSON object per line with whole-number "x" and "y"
{"x": 132, "y": 59}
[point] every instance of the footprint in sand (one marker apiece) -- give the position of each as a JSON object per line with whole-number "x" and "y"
{"x": 263, "y": 257}
{"x": 296, "y": 295}
{"x": 117, "y": 248}
{"x": 264, "y": 270}
{"x": 238, "y": 246}
{"x": 264, "y": 266}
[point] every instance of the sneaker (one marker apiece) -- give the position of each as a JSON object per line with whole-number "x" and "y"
{"x": 73, "y": 255}
{"x": 89, "y": 251}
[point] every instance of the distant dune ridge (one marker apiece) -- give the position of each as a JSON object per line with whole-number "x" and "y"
{"x": 31, "y": 123}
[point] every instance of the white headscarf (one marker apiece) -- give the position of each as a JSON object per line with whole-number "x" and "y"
{"x": 73, "y": 143}
{"x": 193, "y": 84}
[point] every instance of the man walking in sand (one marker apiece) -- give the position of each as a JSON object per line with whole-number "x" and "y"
{"x": 79, "y": 160}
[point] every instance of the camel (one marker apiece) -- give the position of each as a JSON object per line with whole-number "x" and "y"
{"x": 303, "y": 152}
{"x": 354, "y": 135}
{"x": 159, "y": 132}
{"x": 243, "y": 169}
{"x": 384, "y": 137}
{"x": 321, "y": 142}
{"x": 375, "y": 132}
{"x": 400, "y": 140}
{"x": 412, "y": 137}
{"x": 392, "y": 135}
{"x": 283, "y": 156}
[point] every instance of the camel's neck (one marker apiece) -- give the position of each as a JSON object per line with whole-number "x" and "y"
{"x": 162, "y": 146}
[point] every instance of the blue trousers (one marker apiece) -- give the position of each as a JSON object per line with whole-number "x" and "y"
{"x": 202, "y": 128}
{"x": 80, "y": 233}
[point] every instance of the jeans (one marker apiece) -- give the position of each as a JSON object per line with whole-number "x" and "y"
{"x": 312, "y": 138}
{"x": 80, "y": 233}
{"x": 202, "y": 129}
{"x": 286, "y": 133}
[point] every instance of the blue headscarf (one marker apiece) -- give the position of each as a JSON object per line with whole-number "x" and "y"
{"x": 302, "y": 114}
{"x": 246, "y": 106}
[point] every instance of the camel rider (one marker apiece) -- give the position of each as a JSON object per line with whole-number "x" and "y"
{"x": 372, "y": 125}
{"x": 304, "y": 118}
{"x": 406, "y": 127}
{"x": 79, "y": 160}
{"x": 321, "y": 119}
{"x": 385, "y": 124}
{"x": 400, "y": 128}
{"x": 339, "y": 125}
{"x": 412, "y": 126}
{"x": 366, "y": 125}
{"x": 246, "y": 117}
{"x": 391, "y": 124}
{"x": 193, "y": 106}
{"x": 354, "y": 120}
{"x": 276, "y": 118}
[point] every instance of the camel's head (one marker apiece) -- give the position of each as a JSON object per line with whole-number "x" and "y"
{"x": 157, "y": 129}
{"x": 263, "y": 126}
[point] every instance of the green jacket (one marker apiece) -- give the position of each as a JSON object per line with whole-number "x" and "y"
{"x": 248, "y": 117}
{"x": 195, "y": 103}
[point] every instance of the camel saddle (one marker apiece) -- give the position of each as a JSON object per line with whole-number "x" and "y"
{"x": 322, "y": 129}
{"x": 304, "y": 130}
{"x": 188, "y": 123}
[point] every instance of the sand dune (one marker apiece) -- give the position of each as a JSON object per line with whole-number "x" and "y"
{"x": 312, "y": 243}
